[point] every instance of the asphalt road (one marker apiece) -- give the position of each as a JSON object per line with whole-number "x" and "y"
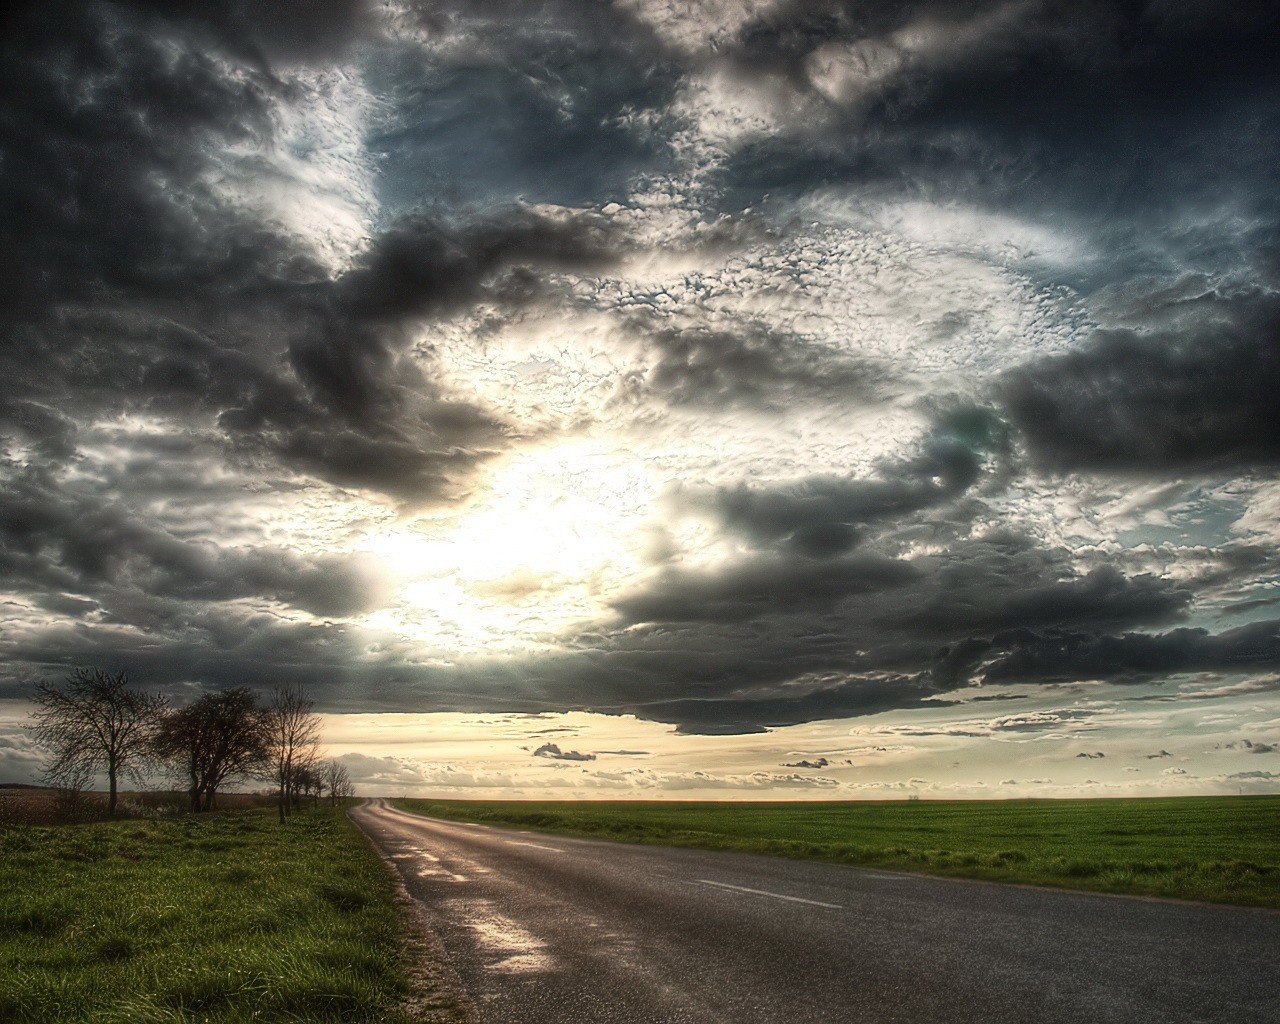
{"x": 544, "y": 928}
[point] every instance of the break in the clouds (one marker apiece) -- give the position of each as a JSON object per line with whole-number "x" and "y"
{"x": 732, "y": 367}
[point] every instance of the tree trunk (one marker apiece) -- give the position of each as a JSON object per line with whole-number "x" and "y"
{"x": 111, "y": 788}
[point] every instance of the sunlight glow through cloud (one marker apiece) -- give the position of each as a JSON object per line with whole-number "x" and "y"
{"x": 888, "y": 388}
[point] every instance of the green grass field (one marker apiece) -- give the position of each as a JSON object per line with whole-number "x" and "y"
{"x": 1224, "y": 849}
{"x": 218, "y": 919}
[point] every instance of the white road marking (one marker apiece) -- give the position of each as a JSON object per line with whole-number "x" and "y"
{"x": 429, "y": 872}
{"x": 511, "y": 948}
{"x": 774, "y": 895}
{"x": 536, "y": 846}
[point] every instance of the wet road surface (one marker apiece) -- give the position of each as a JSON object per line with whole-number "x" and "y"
{"x": 546, "y": 928}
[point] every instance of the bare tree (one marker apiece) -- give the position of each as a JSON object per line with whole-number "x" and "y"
{"x": 95, "y": 722}
{"x": 309, "y": 785}
{"x": 215, "y": 738}
{"x": 293, "y": 736}
{"x": 336, "y": 780}
{"x": 182, "y": 744}
{"x": 344, "y": 788}
{"x": 303, "y": 777}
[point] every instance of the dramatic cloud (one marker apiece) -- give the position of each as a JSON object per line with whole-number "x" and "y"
{"x": 1198, "y": 396}
{"x": 734, "y": 367}
{"x": 760, "y": 586}
{"x": 825, "y": 515}
{"x": 1135, "y": 656}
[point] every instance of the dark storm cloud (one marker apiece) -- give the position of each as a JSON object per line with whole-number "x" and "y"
{"x": 1107, "y": 112}
{"x": 120, "y": 119}
{"x": 133, "y": 286}
{"x": 767, "y": 640}
{"x": 737, "y": 714}
{"x": 1102, "y": 597}
{"x": 1174, "y": 108}
{"x": 823, "y": 516}
{"x": 99, "y": 550}
{"x": 396, "y": 430}
{"x": 425, "y": 265}
{"x": 703, "y": 677}
{"x": 103, "y": 127}
{"x": 765, "y": 585}
{"x": 549, "y": 102}
{"x": 50, "y": 433}
{"x": 1136, "y": 657}
{"x": 1202, "y": 395}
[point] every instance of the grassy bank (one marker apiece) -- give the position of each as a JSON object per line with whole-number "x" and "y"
{"x": 1222, "y": 849}
{"x": 222, "y": 918}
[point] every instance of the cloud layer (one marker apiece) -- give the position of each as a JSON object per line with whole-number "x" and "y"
{"x": 727, "y": 365}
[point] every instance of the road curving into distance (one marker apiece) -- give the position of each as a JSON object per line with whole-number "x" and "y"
{"x": 546, "y": 928}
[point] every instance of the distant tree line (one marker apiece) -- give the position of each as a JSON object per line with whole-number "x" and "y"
{"x": 98, "y": 723}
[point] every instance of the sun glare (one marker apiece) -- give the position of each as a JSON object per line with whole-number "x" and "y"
{"x": 553, "y": 533}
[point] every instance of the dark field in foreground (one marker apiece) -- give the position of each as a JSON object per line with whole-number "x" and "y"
{"x": 1222, "y": 849}
{"x": 221, "y": 918}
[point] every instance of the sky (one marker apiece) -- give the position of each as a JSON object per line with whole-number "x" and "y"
{"x": 718, "y": 399}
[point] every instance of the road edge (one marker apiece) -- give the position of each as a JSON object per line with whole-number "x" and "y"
{"x": 436, "y": 993}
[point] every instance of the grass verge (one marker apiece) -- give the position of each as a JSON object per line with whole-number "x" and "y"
{"x": 219, "y": 919}
{"x": 1220, "y": 849}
